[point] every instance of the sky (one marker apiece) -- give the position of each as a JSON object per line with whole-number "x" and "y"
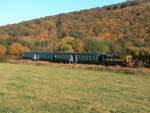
{"x": 14, "y": 11}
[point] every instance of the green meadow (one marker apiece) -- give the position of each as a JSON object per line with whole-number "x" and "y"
{"x": 56, "y": 89}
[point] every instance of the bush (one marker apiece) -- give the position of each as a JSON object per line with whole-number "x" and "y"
{"x": 16, "y": 49}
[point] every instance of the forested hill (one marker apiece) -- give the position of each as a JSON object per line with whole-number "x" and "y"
{"x": 122, "y": 27}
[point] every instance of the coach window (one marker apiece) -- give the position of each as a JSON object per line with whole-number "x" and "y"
{"x": 87, "y": 57}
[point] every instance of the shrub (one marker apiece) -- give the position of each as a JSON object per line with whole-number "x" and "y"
{"x": 16, "y": 49}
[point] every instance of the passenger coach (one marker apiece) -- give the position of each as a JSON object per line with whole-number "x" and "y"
{"x": 85, "y": 58}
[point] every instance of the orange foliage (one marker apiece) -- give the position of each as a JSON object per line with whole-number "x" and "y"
{"x": 41, "y": 34}
{"x": 3, "y": 50}
{"x": 81, "y": 47}
{"x": 105, "y": 36}
{"x": 16, "y": 49}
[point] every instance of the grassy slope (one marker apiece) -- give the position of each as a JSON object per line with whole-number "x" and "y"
{"x": 45, "y": 89}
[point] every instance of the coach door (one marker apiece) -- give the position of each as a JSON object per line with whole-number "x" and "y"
{"x": 76, "y": 59}
{"x": 70, "y": 59}
{"x": 36, "y": 57}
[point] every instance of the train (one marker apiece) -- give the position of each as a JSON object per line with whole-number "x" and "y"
{"x": 99, "y": 58}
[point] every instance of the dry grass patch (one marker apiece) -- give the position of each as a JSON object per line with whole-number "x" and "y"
{"x": 59, "y": 89}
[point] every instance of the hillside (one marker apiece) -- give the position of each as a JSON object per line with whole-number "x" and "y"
{"x": 125, "y": 25}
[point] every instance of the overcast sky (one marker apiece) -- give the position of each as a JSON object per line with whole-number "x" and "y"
{"x": 14, "y": 11}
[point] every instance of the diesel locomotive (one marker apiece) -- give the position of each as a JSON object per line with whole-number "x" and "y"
{"x": 110, "y": 58}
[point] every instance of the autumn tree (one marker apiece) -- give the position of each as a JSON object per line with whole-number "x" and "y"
{"x": 81, "y": 47}
{"x": 67, "y": 44}
{"x": 16, "y": 49}
{"x": 71, "y": 44}
{"x": 98, "y": 46}
{"x": 3, "y": 51}
{"x": 58, "y": 26}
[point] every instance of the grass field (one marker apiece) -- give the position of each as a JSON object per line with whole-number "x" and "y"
{"x": 52, "y": 89}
